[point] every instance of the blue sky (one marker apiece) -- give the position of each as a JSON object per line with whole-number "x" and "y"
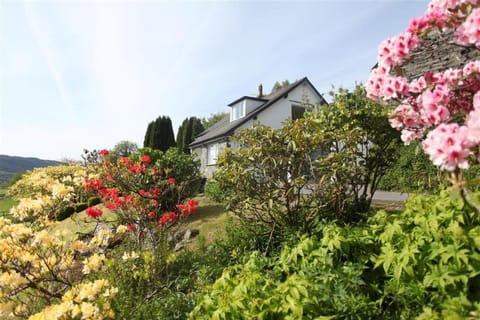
{"x": 88, "y": 74}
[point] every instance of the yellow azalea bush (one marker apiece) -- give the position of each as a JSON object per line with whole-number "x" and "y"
{"x": 87, "y": 301}
{"x": 38, "y": 269}
{"x": 44, "y": 191}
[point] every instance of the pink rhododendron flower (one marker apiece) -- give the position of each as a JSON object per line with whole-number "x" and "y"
{"x": 473, "y": 126}
{"x": 448, "y": 147}
{"x": 469, "y": 31}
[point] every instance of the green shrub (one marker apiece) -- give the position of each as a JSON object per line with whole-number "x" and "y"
{"x": 216, "y": 192}
{"x": 65, "y": 213}
{"x": 79, "y": 207}
{"x": 93, "y": 201}
{"x": 310, "y": 280}
{"x": 429, "y": 256}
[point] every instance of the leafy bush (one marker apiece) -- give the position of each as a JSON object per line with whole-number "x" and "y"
{"x": 65, "y": 213}
{"x": 79, "y": 207}
{"x": 93, "y": 201}
{"x": 326, "y": 165}
{"x": 216, "y": 192}
{"x": 412, "y": 162}
{"x": 307, "y": 281}
{"x": 429, "y": 255}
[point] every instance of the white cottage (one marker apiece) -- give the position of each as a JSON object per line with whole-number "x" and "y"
{"x": 271, "y": 110}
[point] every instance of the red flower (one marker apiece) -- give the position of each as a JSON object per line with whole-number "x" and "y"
{"x": 187, "y": 209}
{"x": 93, "y": 184}
{"x": 112, "y": 206}
{"x": 171, "y": 180}
{"x": 125, "y": 161}
{"x": 131, "y": 227}
{"x": 144, "y": 194}
{"x": 156, "y": 192}
{"x": 167, "y": 217}
{"x": 152, "y": 214}
{"x": 155, "y": 203}
{"x": 109, "y": 177}
{"x": 137, "y": 168}
{"x": 93, "y": 212}
{"x": 103, "y": 152}
{"x": 146, "y": 159}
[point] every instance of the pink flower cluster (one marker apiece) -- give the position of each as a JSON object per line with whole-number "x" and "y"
{"x": 444, "y": 105}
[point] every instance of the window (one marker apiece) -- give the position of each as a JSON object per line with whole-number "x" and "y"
{"x": 238, "y": 111}
{"x": 212, "y": 153}
{"x": 297, "y": 112}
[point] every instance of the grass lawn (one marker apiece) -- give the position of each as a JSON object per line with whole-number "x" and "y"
{"x": 6, "y": 203}
{"x": 210, "y": 219}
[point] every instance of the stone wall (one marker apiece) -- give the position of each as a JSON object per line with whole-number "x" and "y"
{"x": 438, "y": 52}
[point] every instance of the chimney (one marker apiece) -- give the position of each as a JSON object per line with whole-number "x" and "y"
{"x": 260, "y": 90}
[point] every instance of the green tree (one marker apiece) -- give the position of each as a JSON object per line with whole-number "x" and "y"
{"x": 124, "y": 148}
{"x": 207, "y": 122}
{"x": 187, "y": 132}
{"x": 378, "y": 143}
{"x": 159, "y": 134}
{"x": 277, "y": 85}
{"x": 148, "y": 135}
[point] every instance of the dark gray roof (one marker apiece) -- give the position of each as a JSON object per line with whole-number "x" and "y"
{"x": 225, "y": 127}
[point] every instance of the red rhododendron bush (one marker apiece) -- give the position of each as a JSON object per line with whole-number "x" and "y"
{"x": 441, "y": 108}
{"x": 49, "y": 273}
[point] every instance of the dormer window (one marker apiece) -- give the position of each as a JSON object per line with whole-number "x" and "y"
{"x": 238, "y": 111}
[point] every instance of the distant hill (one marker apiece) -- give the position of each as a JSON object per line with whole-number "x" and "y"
{"x": 9, "y": 165}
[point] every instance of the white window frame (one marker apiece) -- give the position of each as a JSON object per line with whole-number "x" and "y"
{"x": 212, "y": 154}
{"x": 238, "y": 111}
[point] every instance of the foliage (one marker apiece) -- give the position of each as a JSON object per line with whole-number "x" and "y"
{"x": 92, "y": 201}
{"x": 146, "y": 192}
{"x": 327, "y": 165}
{"x": 377, "y": 144}
{"x": 123, "y": 148}
{"x": 216, "y": 192}
{"x": 429, "y": 257}
{"x": 159, "y": 134}
{"x": 311, "y": 280}
{"x": 267, "y": 176}
{"x": 39, "y": 269}
{"x": 278, "y": 86}
{"x": 412, "y": 162}
{"x": 79, "y": 207}
{"x": 421, "y": 263}
{"x": 208, "y": 122}
{"x": 190, "y": 128}
{"x": 65, "y": 213}
{"x": 44, "y": 192}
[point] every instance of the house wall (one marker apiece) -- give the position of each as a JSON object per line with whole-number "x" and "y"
{"x": 274, "y": 115}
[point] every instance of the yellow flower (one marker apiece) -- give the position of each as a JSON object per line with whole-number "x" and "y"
{"x": 93, "y": 263}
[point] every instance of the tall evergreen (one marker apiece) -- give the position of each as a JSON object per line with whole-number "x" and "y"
{"x": 190, "y": 128}
{"x": 159, "y": 134}
{"x": 148, "y": 135}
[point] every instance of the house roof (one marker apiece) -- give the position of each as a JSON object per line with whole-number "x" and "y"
{"x": 225, "y": 127}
